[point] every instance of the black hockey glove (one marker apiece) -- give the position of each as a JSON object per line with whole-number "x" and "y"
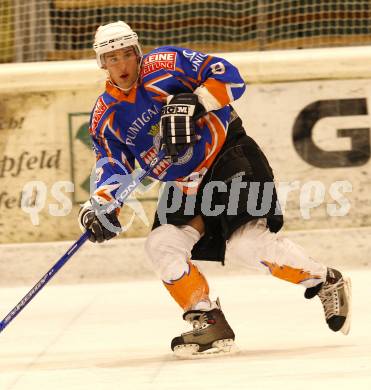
{"x": 102, "y": 226}
{"x": 177, "y": 123}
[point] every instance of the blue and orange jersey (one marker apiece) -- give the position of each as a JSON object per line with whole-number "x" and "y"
{"x": 125, "y": 128}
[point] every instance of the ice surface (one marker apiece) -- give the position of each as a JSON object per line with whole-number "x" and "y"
{"x": 117, "y": 336}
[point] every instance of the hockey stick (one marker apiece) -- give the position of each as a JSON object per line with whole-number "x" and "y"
{"x": 77, "y": 245}
{"x": 42, "y": 282}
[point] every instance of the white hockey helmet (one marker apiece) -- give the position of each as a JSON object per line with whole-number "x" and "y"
{"x": 114, "y": 36}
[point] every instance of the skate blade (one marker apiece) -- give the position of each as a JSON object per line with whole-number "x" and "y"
{"x": 219, "y": 348}
{"x": 348, "y": 288}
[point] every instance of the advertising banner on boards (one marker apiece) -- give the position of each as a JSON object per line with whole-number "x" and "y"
{"x": 316, "y": 135}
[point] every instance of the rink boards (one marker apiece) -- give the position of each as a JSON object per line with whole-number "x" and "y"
{"x": 308, "y": 110}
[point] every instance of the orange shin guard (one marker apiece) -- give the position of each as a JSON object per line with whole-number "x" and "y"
{"x": 190, "y": 288}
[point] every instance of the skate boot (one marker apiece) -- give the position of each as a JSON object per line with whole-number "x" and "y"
{"x": 335, "y": 295}
{"x": 211, "y": 334}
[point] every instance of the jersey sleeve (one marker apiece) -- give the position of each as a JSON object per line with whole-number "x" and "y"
{"x": 114, "y": 161}
{"x": 219, "y": 82}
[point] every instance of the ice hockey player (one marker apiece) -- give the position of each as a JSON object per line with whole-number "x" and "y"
{"x": 179, "y": 99}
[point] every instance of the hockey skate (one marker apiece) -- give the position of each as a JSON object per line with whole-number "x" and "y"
{"x": 335, "y": 295}
{"x": 211, "y": 334}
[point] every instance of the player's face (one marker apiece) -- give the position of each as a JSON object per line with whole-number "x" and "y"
{"x": 122, "y": 65}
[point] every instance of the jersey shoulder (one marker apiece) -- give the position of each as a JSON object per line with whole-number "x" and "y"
{"x": 175, "y": 60}
{"x": 160, "y": 60}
